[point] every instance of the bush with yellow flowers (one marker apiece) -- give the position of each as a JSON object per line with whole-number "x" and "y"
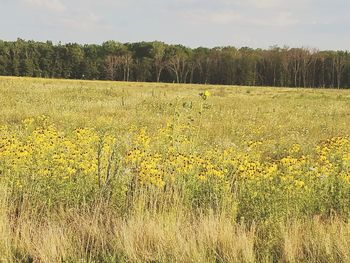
{"x": 77, "y": 167}
{"x": 165, "y": 161}
{"x": 59, "y": 168}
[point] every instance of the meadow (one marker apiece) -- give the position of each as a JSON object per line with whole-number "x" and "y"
{"x": 98, "y": 171}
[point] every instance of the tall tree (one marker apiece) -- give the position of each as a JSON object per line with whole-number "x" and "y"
{"x": 157, "y": 61}
{"x": 158, "y": 53}
{"x": 178, "y": 62}
{"x": 339, "y": 62}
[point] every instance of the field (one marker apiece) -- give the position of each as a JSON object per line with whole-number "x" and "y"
{"x": 138, "y": 172}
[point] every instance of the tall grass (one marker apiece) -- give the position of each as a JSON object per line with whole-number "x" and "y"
{"x": 101, "y": 235}
{"x": 110, "y": 216}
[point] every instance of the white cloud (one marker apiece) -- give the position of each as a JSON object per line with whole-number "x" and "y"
{"x": 266, "y": 3}
{"x": 257, "y": 23}
{"x": 233, "y": 18}
{"x": 281, "y": 19}
{"x": 54, "y": 5}
{"x": 215, "y": 17}
{"x": 84, "y": 22}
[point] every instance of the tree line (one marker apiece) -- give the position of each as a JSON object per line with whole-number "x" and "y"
{"x": 160, "y": 62}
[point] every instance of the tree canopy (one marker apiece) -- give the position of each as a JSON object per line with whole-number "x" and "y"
{"x": 160, "y": 62}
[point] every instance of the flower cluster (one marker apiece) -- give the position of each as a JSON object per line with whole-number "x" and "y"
{"x": 168, "y": 157}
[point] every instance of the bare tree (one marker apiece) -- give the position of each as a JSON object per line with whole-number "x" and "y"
{"x": 203, "y": 66}
{"x": 307, "y": 59}
{"x": 339, "y": 62}
{"x": 126, "y": 61}
{"x": 295, "y": 63}
{"x": 160, "y": 62}
{"x": 178, "y": 64}
{"x": 112, "y": 65}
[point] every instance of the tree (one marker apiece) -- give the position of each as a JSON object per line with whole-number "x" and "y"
{"x": 178, "y": 62}
{"x": 126, "y": 62}
{"x": 201, "y": 60}
{"x": 339, "y": 62}
{"x": 158, "y": 53}
{"x": 112, "y": 65}
{"x": 157, "y": 61}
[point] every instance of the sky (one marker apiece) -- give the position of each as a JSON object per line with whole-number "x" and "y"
{"x": 321, "y": 24}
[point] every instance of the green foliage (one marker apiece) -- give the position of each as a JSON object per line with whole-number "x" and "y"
{"x": 157, "y": 61}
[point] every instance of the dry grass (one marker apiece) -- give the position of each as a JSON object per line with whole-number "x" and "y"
{"x": 164, "y": 237}
{"x": 280, "y": 115}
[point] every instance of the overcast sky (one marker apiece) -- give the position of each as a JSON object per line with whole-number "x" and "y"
{"x": 322, "y": 24}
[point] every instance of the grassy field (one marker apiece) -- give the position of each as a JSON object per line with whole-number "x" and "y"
{"x": 138, "y": 172}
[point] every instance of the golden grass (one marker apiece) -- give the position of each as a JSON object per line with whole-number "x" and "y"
{"x": 79, "y": 236}
{"x": 236, "y": 113}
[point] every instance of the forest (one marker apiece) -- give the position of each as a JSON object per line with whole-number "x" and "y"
{"x": 160, "y": 62}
